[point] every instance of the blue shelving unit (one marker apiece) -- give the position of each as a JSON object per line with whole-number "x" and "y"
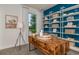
{"x": 69, "y": 10}
{"x": 75, "y": 14}
{"x": 48, "y": 27}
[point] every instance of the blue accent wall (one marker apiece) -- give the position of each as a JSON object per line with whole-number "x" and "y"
{"x": 57, "y": 8}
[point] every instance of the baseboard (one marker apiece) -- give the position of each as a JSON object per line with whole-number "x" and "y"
{"x": 74, "y": 48}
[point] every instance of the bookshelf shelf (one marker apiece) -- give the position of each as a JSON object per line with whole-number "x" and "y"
{"x": 55, "y": 22}
{"x": 56, "y": 32}
{"x": 69, "y": 40}
{"x": 55, "y": 27}
{"x": 70, "y": 27}
{"x": 56, "y": 17}
{"x": 71, "y": 14}
{"x": 70, "y": 34}
{"x": 71, "y": 20}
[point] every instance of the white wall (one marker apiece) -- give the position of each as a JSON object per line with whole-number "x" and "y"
{"x": 39, "y": 23}
{"x": 9, "y": 36}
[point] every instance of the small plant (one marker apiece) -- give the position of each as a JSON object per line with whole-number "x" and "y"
{"x": 32, "y": 28}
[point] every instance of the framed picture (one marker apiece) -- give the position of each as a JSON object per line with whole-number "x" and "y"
{"x": 11, "y": 21}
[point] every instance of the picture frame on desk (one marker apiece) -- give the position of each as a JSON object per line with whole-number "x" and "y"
{"x": 11, "y": 21}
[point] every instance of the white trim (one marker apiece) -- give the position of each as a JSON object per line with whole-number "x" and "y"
{"x": 74, "y": 48}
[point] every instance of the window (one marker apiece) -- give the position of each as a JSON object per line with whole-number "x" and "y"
{"x": 32, "y": 22}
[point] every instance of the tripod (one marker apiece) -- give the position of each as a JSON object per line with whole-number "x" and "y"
{"x": 20, "y": 36}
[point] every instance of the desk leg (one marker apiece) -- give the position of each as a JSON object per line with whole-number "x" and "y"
{"x": 65, "y": 53}
{"x": 30, "y": 47}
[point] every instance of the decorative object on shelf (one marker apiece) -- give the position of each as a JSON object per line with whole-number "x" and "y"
{"x": 11, "y": 21}
{"x": 46, "y": 22}
{"x": 64, "y": 14}
{"x": 55, "y": 26}
{"x": 55, "y": 20}
{"x": 54, "y": 30}
{"x": 46, "y": 26}
{"x": 55, "y": 15}
{"x": 70, "y": 24}
{"x": 69, "y": 31}
{"x": 70, "y": 18}
{"x": 46, "y": 18}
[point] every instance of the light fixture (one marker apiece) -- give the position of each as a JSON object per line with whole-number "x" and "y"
{"x": 20, "y": 36}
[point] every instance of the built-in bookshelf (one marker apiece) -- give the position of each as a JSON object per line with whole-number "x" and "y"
{"x": 54, "y": 24}
{"x": 64, "y": 23}
{"x": 70, "y": 24}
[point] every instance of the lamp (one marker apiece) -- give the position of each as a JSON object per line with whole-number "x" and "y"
{"x": 20, "y": 25}
{"x": 20, "y": 36}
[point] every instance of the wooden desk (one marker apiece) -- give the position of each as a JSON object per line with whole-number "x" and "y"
{"x": 50, "y": 46}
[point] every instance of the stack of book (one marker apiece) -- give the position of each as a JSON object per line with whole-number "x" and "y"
{"x": 55, "y": 15}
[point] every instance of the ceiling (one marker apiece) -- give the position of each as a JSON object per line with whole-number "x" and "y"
{"x": 40, "y": 6}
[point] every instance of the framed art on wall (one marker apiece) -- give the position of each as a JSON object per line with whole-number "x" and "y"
{"x": 11, "y": 21}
